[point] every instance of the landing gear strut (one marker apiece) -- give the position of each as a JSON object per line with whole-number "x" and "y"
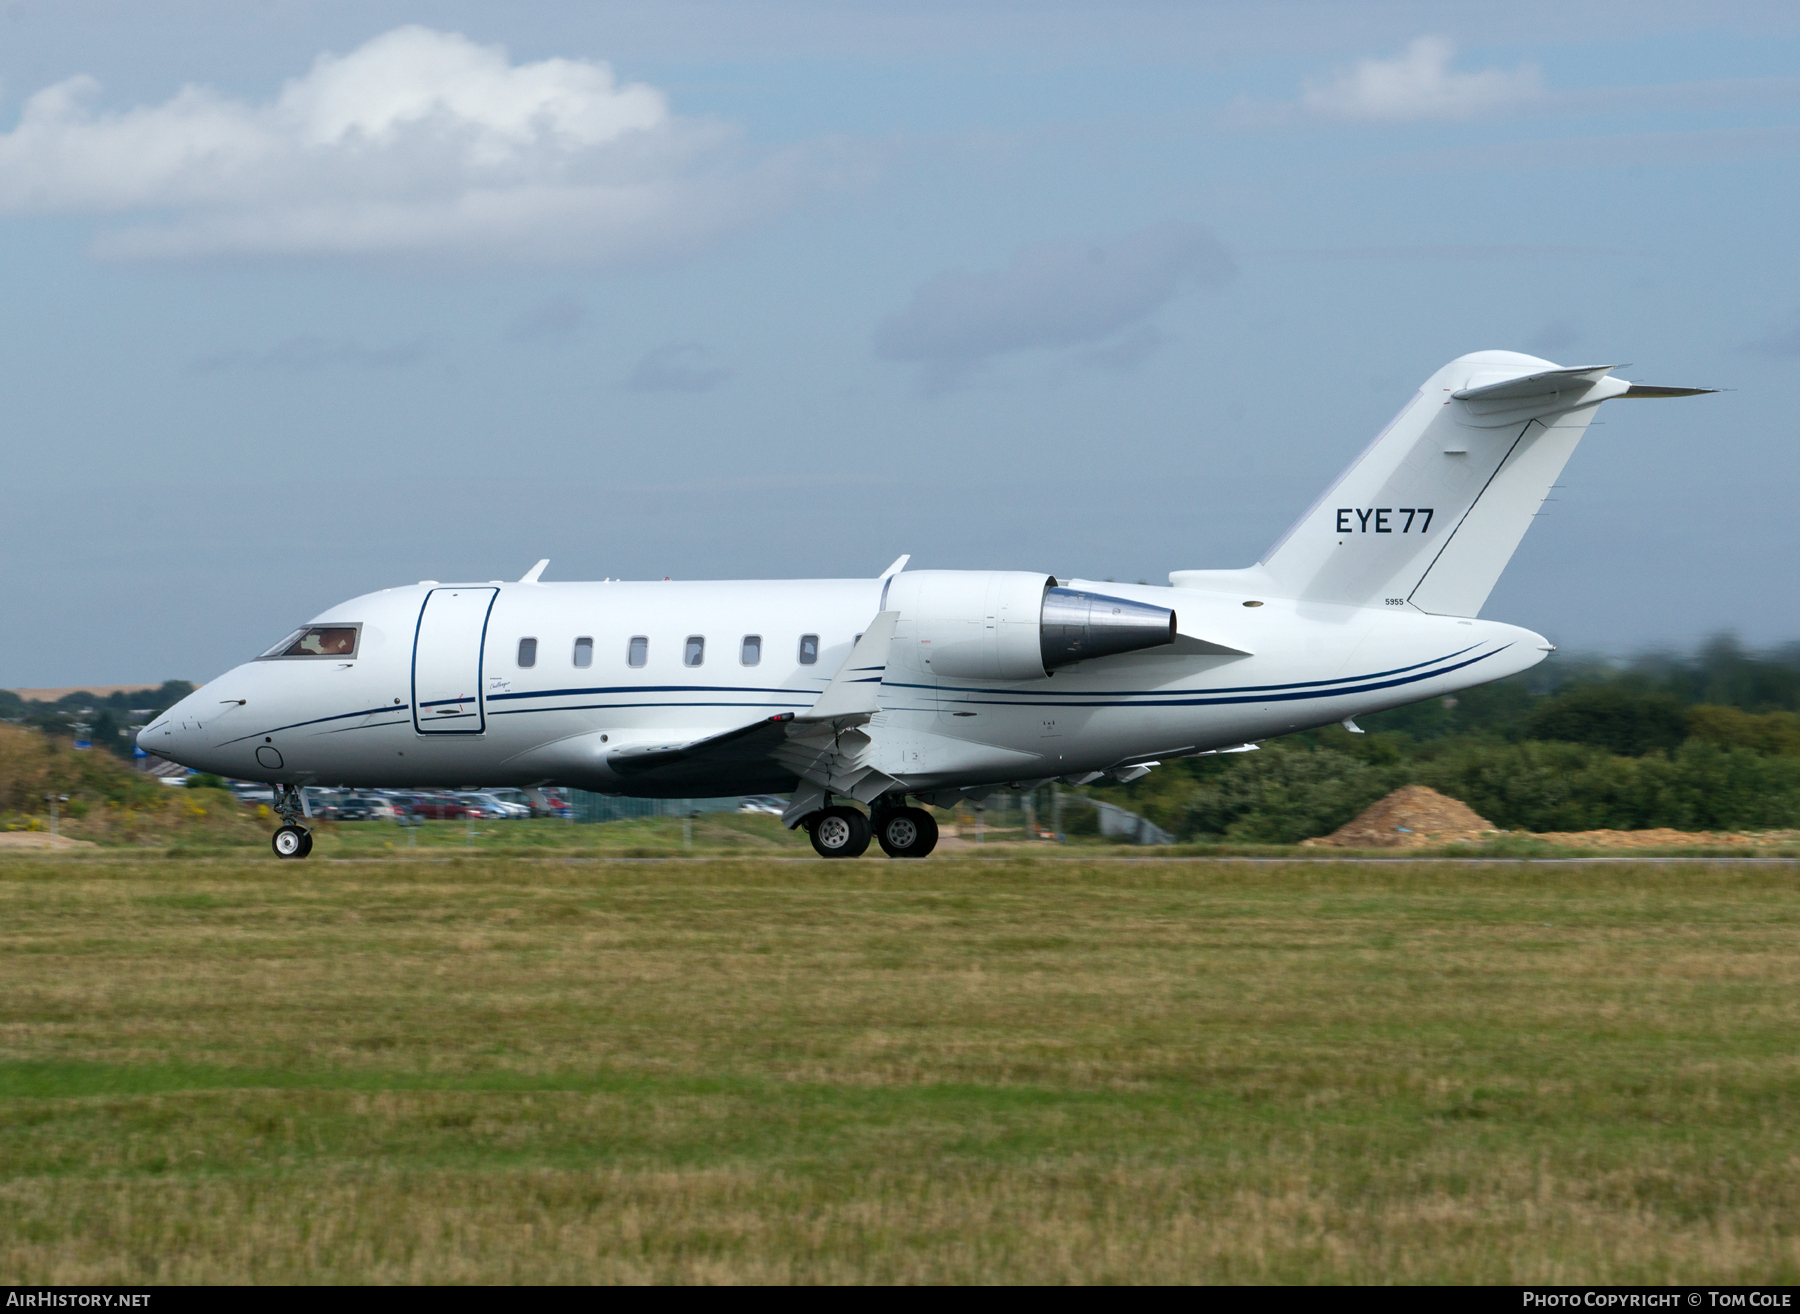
{"x": 291, "y": 839}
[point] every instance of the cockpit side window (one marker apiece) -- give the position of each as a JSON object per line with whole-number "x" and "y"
{"x": 319, "y": 641}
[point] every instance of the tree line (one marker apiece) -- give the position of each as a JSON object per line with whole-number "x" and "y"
{"x": 109, "y": 723}
{"x": 1705, "y": 740}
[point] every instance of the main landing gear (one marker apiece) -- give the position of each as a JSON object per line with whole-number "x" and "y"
{"x": 906, "y": 832}
{"x": 839, "y": 832}
{"x": 291, "y": 839}
{"x": 844, "y": 832}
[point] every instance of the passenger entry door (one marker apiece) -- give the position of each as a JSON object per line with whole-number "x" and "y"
{"x": 446, "y": 669}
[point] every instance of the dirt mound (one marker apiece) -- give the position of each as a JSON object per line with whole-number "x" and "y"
{"x": 37, "y": 839}
{"x": 1412, "y": 817}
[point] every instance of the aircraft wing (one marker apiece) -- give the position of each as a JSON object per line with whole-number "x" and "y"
{"x": 673, "y": 766}
{"x": 821, "y": 745}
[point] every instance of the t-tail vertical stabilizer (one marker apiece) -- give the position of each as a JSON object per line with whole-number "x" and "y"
{"x": 1433, "y": 509}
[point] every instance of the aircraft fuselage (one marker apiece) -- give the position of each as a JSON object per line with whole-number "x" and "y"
{"x": 440, "y": 687}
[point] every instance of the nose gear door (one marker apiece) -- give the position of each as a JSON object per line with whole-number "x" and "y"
{"x": 446, "y": 667}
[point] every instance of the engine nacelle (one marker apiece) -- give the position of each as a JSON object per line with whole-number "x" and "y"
{"x": 1016, "y": 625}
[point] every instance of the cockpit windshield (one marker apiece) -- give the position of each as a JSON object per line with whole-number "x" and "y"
{"x": 318, "y": 641}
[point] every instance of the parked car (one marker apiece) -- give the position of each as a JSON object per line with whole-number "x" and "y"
{"x": 517, "y": 798}
{"x": 763, "y": 803}
{"x": 486, "y": 805}
{"x": 440, "y": 807}
{"x": 366, "y": 807}
{"x": 326, "y": 804}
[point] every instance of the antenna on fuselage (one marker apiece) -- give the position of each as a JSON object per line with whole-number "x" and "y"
{"x": 531, "y": 576}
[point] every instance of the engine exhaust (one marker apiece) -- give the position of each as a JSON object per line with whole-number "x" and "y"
{"x": 1077, "y": 626}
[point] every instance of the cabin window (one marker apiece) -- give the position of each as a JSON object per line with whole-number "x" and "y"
{"x": 528, "y": 652}
{"x": 751, "y": 651}
{"x": 809, "y": 649}
{"x": 694, "y": 653}
{"x": 584, "y": 652}
{"x": 318, "y": 641}
{"x": 639, "y": 651}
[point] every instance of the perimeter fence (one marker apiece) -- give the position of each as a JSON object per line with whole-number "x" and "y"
{"x": 592, "y": 809}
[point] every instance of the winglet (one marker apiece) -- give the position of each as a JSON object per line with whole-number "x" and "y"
{"x": 853, "y": 695}
{"x": 898, "y": 566}
{"x": 531, "y": 576}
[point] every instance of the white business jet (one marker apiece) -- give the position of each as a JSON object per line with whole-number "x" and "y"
{"x": 936, "y": 685}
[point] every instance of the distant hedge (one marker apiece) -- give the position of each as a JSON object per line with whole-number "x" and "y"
{"x": 1709, "y": 741}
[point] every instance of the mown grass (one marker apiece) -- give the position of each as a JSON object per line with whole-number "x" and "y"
{"x": 234, "y": 1070}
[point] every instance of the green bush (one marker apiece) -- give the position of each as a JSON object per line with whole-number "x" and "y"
{"x": 34, "y": 764}
{"x": 1731, "y": 727}
{"x": 1282, "y": 795}
{"x": 1612, "y": 717}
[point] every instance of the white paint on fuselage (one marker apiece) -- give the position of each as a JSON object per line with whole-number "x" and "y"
{"x": 351, "y": 722}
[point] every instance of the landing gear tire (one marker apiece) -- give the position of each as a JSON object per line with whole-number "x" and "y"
{"x": 840, "y": 832}
{"x": 907, "y": 832}
{"x": 291, "y": 842}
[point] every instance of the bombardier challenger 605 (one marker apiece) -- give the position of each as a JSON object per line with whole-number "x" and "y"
{"x": 858, "y": 697}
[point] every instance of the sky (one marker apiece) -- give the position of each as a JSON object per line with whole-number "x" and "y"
{"x": 302, "y": 300}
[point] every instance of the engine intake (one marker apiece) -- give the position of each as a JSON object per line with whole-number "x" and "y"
{"x": 1013, "y": 625}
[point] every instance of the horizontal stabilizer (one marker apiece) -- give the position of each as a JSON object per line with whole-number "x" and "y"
{"x": 1651, "y": 390}
{"x": 1530, "y": 385}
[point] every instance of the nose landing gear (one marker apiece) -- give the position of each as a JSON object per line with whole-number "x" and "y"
{"x": 291, "y": 839}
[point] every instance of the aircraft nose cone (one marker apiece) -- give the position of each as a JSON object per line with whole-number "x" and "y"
{"x": 178, "y": 734}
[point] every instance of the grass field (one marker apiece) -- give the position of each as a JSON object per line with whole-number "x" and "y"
{"x": 503, "y": 1069}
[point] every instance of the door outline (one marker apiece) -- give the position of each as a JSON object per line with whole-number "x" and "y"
{"x": 480, "y": 663}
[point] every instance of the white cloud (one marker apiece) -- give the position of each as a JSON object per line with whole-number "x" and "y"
{"x": 1059, "y": 294}
{"x": 548, "y": 321}
{"x": 677, "y": 367}
{"x": 1419, "y": 84}
{"x": 311, "y": 352}
{"x": 418, "y": 142}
